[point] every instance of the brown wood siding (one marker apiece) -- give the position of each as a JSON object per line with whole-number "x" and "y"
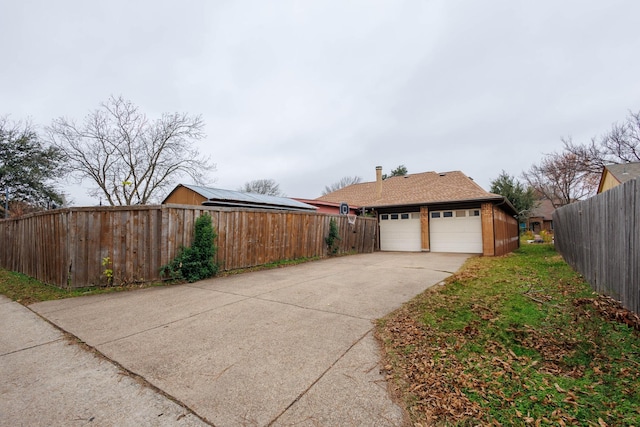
{"x": 506, "y": 233}
{"x": 500, "y": 234}
{"x": 488, "y": 244}
{"x": 66, "y": 247}
{"x": 424, "y": 228}
{"x": 184, "y": 196}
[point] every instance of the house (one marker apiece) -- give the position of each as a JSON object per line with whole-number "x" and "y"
{"x": 614, "y": 175}
{"x": 328, "y": 207}
{"x": 204, "y": 196}
{"x": 437, "y": 212}
{"x": 541, "y": 217}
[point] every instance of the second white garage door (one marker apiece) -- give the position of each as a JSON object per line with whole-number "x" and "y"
{"x": 456, "y": 231}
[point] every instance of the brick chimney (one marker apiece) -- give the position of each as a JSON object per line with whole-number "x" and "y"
{"x": 379, "y": 182}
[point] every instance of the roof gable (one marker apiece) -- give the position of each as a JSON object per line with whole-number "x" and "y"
{"x": 619, "y": 173}
{"x": 414, "y": 189}
{"x": 625, "y": 171}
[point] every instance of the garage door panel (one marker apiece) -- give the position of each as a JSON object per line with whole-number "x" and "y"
{"x": 465, "y": 248}
{"x": 459, "y": 231}
{"x": 400, "y": 234}
{"x": 456, "y": 234}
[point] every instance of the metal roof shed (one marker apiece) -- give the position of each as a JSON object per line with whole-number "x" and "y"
{"x": 206, "y": 196}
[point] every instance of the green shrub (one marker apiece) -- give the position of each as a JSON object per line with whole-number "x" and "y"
{"x": 334, "y": 236}
{"x": 528, "y": 235}
{"x": 196, "y": 262}
{"x": 546, "y": 236}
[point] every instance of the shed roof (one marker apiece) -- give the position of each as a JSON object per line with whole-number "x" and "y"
{"x": 220, "y": 197}
{"x": 414, "y": 189}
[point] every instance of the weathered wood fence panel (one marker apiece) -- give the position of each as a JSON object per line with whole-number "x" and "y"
{"x": 76, "y": 247}
{"x": 600, "y": 238}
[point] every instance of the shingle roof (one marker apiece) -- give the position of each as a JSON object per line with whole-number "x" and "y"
{"x": 625, "y": 171}
{"x": 543, "y": 209}
{"x": 414, "y": 189}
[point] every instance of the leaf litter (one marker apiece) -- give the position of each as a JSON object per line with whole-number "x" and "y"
{"x": 490, "y": 348}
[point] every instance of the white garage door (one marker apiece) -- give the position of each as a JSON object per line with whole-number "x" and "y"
{"x": 456, "y": 231}
{"x": 400, "y": 232}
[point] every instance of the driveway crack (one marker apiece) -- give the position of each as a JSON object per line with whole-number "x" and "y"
{"x": 313, "y": 309}
{"x": 319, "y": 377}
{"x": 199, "y": 313}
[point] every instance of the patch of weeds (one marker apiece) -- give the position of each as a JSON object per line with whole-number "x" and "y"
{"x": 27, "y": 290}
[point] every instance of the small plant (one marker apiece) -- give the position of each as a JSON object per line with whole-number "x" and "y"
{"x": 332, "y": 239}
{"x": 528, "y": 235}
{"x": 107, "y": 272}
{"x": 547, "y": 237}
{"x": 196, "y": 262}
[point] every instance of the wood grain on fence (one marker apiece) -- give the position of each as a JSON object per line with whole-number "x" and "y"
{"x": 600, "y": 238}
{"x": 505, "y": 229}
{"x": 77, "y": 247}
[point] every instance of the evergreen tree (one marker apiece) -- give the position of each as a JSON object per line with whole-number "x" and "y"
{"x": 27, "y": 168}
{"x": 521, "y": 197}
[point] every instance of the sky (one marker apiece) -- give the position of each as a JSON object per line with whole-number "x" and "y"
{"x": 308, "y": 92}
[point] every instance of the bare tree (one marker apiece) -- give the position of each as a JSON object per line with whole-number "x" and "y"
{"x": 262, "y": 186}
{"x": 128, "y": 157}
{"x": 344, "y": 182}
{"x": 620, "y": 145}
{"x": 559, "y": 178}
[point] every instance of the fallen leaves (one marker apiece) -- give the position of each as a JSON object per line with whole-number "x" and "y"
{"x": 455, "y": 359}
{"x": 611, "y": 309}
{"x": 435, "y": 387}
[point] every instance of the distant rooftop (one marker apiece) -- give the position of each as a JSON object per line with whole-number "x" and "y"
{"x": 625, "y": 171}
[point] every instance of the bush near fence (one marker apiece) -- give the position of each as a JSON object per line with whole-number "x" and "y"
{"x": 79, "y": 247}
{"x": 600, "y": 238}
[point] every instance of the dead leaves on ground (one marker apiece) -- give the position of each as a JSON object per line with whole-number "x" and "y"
{"x": 435, "y": 387}
{"x": 441, "y": 386}
{"x": 611, "y": 309}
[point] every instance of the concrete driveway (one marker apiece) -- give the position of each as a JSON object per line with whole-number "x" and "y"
{"x": 289, "y": 346}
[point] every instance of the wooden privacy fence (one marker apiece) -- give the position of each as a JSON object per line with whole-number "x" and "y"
{"x": 600, "y": 238}
{"x": 78, "y": 247}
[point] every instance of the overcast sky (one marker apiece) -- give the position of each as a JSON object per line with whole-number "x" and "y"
{"x": 307, "y": 92}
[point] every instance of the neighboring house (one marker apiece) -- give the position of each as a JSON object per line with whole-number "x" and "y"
{"x": 328, "y": 207}
{"x": 614, "y": 175}
{"x": 437, "y": 212}
{"x": 541, "y": 216}
{"x": 204, "y": 196}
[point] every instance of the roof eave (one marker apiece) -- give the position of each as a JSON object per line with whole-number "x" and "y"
{"x": 444, "y": 202}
